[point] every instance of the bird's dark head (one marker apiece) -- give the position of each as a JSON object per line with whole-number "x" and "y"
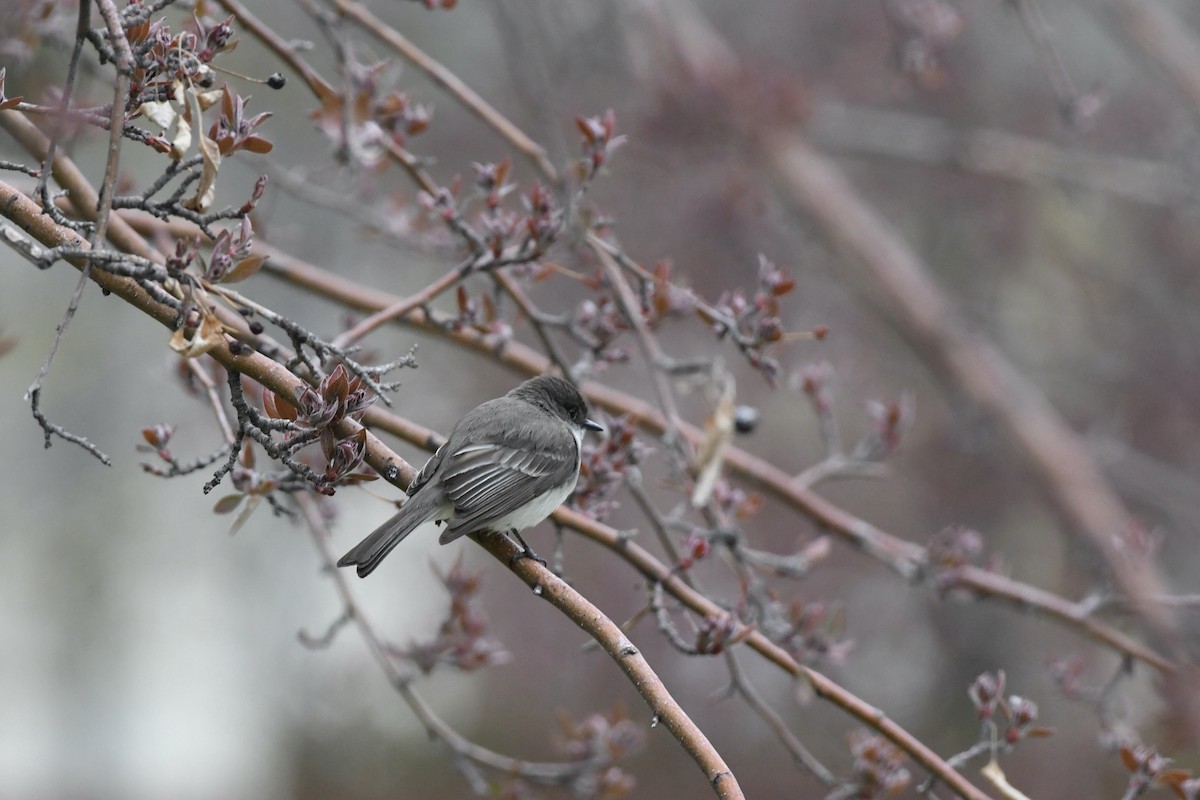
{"x": 557, "y": 396}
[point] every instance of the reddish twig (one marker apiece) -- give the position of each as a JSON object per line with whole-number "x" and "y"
{"x": 398, "y": 310}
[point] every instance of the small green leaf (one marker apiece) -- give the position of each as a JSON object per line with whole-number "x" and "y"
{"x": 228, "y": 503}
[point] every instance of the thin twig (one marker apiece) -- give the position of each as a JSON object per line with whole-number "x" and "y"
{"x": 1034, "y": 20}
{"x": 646, "y": 341}
{"x": 451, "y": 83}
{"x": 518, "y": 295}
{"x": 33, "y": 393}
{"x": 116, "y": 32}
{"x": 398, "y": 310}
{"x": 214, "y": 399}
{"x": 280, "y": 47}
{"x": 803, "y": 757}
{"x": 82, "y": 25}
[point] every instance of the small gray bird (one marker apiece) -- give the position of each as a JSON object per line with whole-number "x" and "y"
{"x": 506, "y": 466}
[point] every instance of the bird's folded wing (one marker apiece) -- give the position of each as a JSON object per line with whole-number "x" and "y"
{"x": 427, "y": 471}
{"x": 488, "y": 481}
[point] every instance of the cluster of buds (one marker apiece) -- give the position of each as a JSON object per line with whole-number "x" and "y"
{"x": 952, "y": 549}
{"x": 157, "y": 438}
{"x": 252, "y": 487}
{"x": 507, "y": 234}
{"x": 543, "y": 220}
{"x": 497, "y": 225}
{"x": 1022, "y": 715}
{"x": 163, "y": 58}
{"x": 600, "y": 321}
{"x": 172, "y": 87}
{"x": 753, "y": 323}
{"x": 717, "y": 633}
{"x": 187, "y": 251}
{"x": 600, "y": 742}
{"x": 462, "y": 640}
{"x": 443, "y": 203}
{"x": 734, "y": 501}
{"x": 397, "y": 114}
{"x": 1067, "y": 674}
{"x": 987, "y": 695}
{"x": 599, "y": 143}
{"x": 1147, "y": 767}
{"x": 815, "y": 381}
{"x": 491, "y": 180}
{"x": 878, "y": 766}
{"x": 364, "y": 118}
{"x": 892, "y": 419}
{"x": 232, "y": 258}
{"x": 478, "y": 312}
{"x": 661, "y": 298}
{"x": 497, "y": 234}
{"x": 808, "y": 631}
{"x": 696, "y": 547}
{"x": 955, "y": 546}
{"x": 342, "y": 456}
{"x": 234, "y": 131}
{"x": 604, "y": 465}
{"x": 923, "y": 29}
{"x": 340, "y": 395}
{"x": 1145, "y": 764}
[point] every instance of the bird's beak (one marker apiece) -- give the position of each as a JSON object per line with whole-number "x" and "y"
{"x": 592, "y": 425}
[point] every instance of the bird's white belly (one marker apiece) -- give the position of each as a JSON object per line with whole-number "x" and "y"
{"x": 536, "y": 510}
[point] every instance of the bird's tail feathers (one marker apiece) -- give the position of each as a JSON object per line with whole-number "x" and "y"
{"x": 367, "y": 554}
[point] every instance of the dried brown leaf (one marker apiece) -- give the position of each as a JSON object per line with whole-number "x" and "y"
{"x": 244, "y": 269}
{"x": 257, "y": 144}
{"x": 181, "y": 142}
{"x": 162, "y": 113}
{"x": 206, "y": 187}
{"x": 208, "y": 335}
{"x": 711, "y": 455}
